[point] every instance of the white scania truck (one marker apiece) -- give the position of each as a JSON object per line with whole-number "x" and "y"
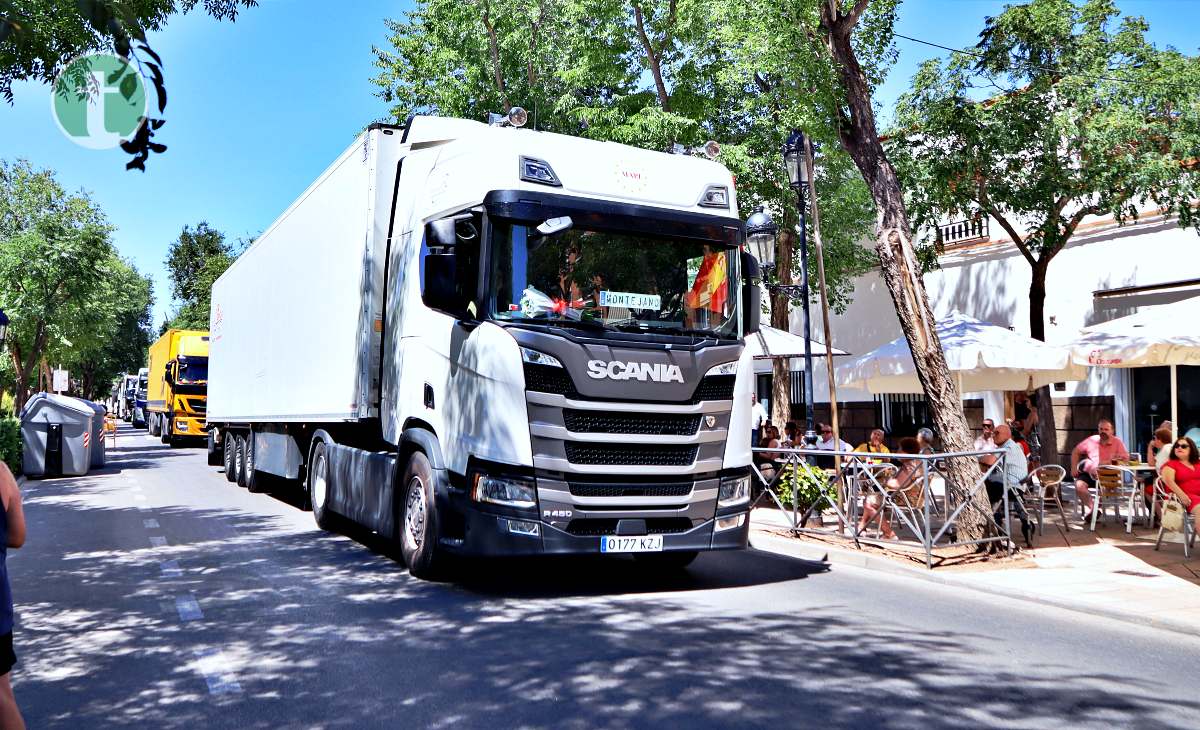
{"x": 488, "y": 340}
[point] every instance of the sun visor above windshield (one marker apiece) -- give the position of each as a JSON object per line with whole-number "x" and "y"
{"x": 608, "y": 214}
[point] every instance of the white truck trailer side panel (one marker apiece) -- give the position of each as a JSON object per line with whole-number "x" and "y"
{"x": 288, "y": 317}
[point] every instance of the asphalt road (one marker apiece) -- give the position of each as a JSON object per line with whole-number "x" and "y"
{"x": 153, "y": 593}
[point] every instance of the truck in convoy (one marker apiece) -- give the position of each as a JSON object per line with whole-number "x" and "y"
{"x": 480, "y": 339}
{"x": 139, "y": 398}
{"x": 177, "y": 385}
{"x": 126, "y": 396}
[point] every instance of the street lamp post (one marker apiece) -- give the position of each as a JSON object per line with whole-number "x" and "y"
{"x": 3, "y": 327}
{"x": 760, "y": 233}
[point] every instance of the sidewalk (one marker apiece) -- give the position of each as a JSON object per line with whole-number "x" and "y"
{"x": 1106, "y": 573}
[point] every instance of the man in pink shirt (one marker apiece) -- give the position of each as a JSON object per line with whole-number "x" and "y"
{"x": 1093, "y": 452}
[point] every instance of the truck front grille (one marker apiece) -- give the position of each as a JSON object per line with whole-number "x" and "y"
{"x": 656, "y": 424}
{"x": 608, "y": 526}
{"x": 549, "y": 379}
{"x": 629, "y": 454}
{"x": 630, "y": 490}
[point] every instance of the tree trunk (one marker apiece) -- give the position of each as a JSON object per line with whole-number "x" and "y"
{"x": 781, "y": 314}
{"x": 652, "y": 59}
{"x": 1047, "y": 429}
{"x": 901, "y": 273}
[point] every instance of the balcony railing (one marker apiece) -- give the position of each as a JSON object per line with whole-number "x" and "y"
{"x": 964, "y": 231}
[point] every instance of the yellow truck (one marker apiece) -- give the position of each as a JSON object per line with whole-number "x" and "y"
{"x": 178, "y": 389}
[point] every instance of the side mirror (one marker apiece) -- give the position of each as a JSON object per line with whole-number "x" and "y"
{"x": 439, "y": 289}
{"x": 751, "y": 294}
{"x": 167, "y": 374}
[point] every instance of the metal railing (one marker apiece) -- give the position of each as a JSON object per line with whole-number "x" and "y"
{"x": 968, "y": 229}
{"x": 868, "y": 480}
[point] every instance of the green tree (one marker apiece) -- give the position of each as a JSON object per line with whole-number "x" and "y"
{"x": 39, "y": 37}
{"x": 649, "y": 73}
{"x": 194, "y": 261}
{"x": 108, "y": 333}
{"x": 1085, "y": 118}
{"x": 55, "y": 251}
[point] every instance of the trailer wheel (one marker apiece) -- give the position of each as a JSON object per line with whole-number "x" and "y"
{"x": 318, "y": 486}
{"x": 249, "y": 477}
{"x": 417, "y": 527}
{"x": 230, "y": 457}
{"x": 152, "y": 424}
{"x": 239, "y": 458}
{"x": 214, "y": 454}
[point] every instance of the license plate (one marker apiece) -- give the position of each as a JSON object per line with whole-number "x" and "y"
{"x": 643, "y": 544}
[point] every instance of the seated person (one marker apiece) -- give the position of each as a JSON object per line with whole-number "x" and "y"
{"x": 827, "y": 442}
{"x": 874, "y": 445}
{"x": 1182, "y": 474}
{"x": 765, "y": 460}
{"x": 910, "y": 470}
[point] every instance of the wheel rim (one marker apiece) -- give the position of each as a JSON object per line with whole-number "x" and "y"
{"x": 318, "y": 484}
{"x": 414, "y": 513}
{"x": 249, "y": 457}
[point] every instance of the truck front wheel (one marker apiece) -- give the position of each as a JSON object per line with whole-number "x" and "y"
{"x": 165, "y": 423}
{"x": 418, "y": 519}
{"x": 152, "y": 424}
{"x": 318, "y": 486}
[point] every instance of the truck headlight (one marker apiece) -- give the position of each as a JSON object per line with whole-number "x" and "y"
{"x": 729, "y": 368}
{"x": 181, "y": 425}
{"x": 519, "y": 493}
{"x": 734, "y": 491}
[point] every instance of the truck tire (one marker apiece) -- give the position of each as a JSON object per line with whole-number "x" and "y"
{"x": 230, "y": 456}
{"x": 239, "y": 455}
{"x": 417, "y": 526}
{"x": 152, "y": 424}
{"x": 318, "y": 486}
{"x": 249, "y": 477}
{"x": 164, "y": 427}
{"x": 214, "y": 453}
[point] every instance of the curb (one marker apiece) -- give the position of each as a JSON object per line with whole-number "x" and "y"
{"x": 793, "y": 548}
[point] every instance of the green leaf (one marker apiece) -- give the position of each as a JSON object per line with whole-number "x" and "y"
{"x": 128, "y": 87}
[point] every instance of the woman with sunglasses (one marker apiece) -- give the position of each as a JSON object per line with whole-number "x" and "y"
{"x": 1182, "y": 473}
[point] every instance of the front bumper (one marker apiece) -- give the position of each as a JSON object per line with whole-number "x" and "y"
{"x": 188, "y": 426}
{"x": 485, "y": 532}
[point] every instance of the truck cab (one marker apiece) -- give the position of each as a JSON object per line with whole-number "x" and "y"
{"x": 178, "y": 385}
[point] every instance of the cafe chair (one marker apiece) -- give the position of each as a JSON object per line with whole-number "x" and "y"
{"x": 1045, "y": 485}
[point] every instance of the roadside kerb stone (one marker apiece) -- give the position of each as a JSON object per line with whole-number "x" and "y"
{"x": 790, "y": 547}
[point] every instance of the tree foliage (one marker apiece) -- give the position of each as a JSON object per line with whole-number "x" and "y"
{"x": 194, "y": 261}
{"x": 1084, "y": 117}
{"x": 649, "y": 73}
{"x": 69, "y": 297}
{"x": 39, "y": 37}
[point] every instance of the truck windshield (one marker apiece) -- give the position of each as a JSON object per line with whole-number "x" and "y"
{"x": 622, "y": 281}
{"x": 193, "y": 370}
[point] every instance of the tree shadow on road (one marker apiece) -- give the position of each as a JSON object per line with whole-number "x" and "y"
{"x": 318, "y": 630}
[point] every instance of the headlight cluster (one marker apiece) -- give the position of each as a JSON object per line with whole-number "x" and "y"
{"x": 734, "y": 491}
{"x": 519, "y": 493}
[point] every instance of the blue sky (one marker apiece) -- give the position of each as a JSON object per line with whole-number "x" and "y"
{"x": 259, "y": 107}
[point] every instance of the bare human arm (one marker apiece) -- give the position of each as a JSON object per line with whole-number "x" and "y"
{"x": 1075, "y": 460}
{"x": 10, "y": 493}
{"x": 1168, "y": 476}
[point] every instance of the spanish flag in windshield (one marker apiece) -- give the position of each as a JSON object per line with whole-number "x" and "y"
{"x": 711, "y": 289}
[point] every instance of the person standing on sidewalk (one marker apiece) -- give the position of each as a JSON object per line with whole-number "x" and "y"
{"x": 1095, "y": 451}
{"x": 12, "y": 535}
{"x": 758, "y": 417}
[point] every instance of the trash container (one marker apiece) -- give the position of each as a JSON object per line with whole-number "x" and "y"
{"x": 97, "y": 444}
{"x": 57, "y": 434}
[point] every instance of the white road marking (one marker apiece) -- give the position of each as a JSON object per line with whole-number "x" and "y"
{"x": 170, "y": 569}
{"x": 215, "y": 667}
{"x": 140, "y": 497}
{"x": 158, "y": 541}
{"x": 188, "y": 608}
{"x": 150, "y": 524}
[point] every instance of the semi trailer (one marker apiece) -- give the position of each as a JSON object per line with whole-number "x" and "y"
{"x": 487, "y": 340}
{"x": 127, "y": 394}
{"x": 177, "y": 388}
